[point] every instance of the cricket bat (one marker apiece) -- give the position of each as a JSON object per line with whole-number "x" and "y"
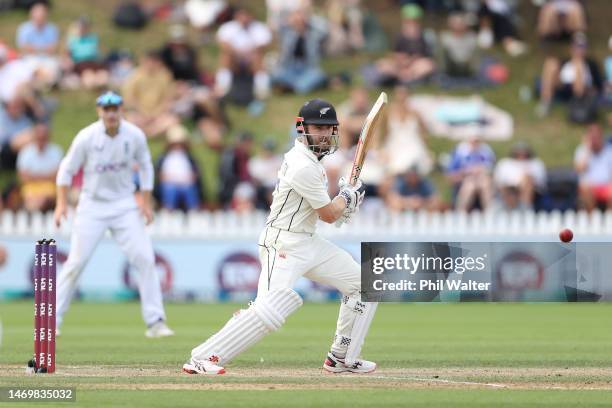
{"x": 366, "y": 136}
{"x": 365, "y": 139}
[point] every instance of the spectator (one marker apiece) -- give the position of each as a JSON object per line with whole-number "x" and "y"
{"x": 15, "y": 131}
{"x": 38, "y": 40}
{"x": 345, "y": 21}
{"x": 178, "y": 175}
{"x": 84, "y": 54}
{"x": 352, "y": 113}
{"x": 234, "y": 167}
{"x": 496, "y": 22}
{"x": 577, "y": 78}
{"x": 37, "y": 166}
{"x": 121, "y": 65}
{"x": 411, "y": 192}
{"x": 149, "y": 95}
{"x": 405, "y": 128}
{"x": 263, "y": 169}
{"x": 608, "y": 73}
{"x": 459, "y": 49}
{"x": 560, "y": 19}
{"x": 593, "y": 163}
{"x": 470, "y": 174}
{"x": 411, "y": 60}
{"x": 180, "y": 57}
{"x": 519, "y": 177}
{"x": 279, "y": 10}
{"x": 195, "y": 101}
{"x": 38, "y": 35}
{"x": 243, "y": 198}
{"x": 242, "y": 42}
{"x": 299, "y": 67}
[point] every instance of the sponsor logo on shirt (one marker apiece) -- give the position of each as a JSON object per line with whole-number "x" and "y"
{"x": 111, "y": 167}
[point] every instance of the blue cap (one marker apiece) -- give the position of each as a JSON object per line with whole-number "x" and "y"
{"x": 109, "y": 98}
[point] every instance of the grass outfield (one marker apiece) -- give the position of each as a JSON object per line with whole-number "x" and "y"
{"x": 429, "y": 354}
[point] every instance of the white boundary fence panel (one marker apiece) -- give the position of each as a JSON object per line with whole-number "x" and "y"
{"x": 382, "y": 226}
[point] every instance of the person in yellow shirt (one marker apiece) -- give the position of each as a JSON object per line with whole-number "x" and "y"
{"x": 149, "y": 95}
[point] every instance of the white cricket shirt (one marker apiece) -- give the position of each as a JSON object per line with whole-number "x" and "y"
{"x": 108, "y": 162}
{"x": 301, "y": 189}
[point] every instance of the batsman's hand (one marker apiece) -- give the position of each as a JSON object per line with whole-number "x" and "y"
{"x": 61, "y": 212}
{"x": 353, "y": 195}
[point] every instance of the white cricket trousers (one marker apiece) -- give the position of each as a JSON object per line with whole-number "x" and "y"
{"x": 128, "y": 230}
{"x": 287, "y": 256}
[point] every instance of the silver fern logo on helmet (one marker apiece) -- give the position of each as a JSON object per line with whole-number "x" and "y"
{"x": 324, "y": 111}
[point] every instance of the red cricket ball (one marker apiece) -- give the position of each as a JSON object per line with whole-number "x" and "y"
{"x": 566, "y": 235}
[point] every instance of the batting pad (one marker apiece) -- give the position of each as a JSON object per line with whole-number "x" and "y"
{"x": 248, "y": 326}
{"x": 353, "y": 326}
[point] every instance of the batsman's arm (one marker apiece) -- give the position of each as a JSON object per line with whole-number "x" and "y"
{"x": 332, "y": 211}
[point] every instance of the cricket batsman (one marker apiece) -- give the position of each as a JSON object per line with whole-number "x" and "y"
{"x": 107, "y": 150}
{"x": 290, "y": 248}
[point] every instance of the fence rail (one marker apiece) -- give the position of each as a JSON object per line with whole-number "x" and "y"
{"x": 524, "y": 225}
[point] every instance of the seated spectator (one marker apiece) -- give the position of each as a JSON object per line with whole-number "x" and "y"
{"x": 496, "y": 23}
{"x": 15, "y": 131}
{"x": 121, "y": 64}
{"x": 84, "y": 55}
{"x": 459, "y": 49}
{"x": 576, "y": 78}
{"x": 149, "y": 96}
{"x": 299, "y": 67}
{"x": 180, "y": 57}
{"x": 263, "y": 168}
{"x": 243, "y": 198}
{"x": 608, "y": 73}
{"x": 352, "y": 113}
{"x": 37, "y": 166}
{"x": 38, "y": 40}
{"x": 345, "y": 22}
{"x": 404, "y": 128}
{"x": 278, "y": 11}
{"x": 411, "y": 192}
{"x": 178, "y": 175}
{"x": 593, "y": 163}
{"x": 194, "y": 99}
{"x": 470, "y": 173}
{"x": 234, "y": 167}
{"x": 560, "y": 19}
{"x": 411, "y": 60}
{"x": 519, "y": 177}
{"x": 242, "y": 42}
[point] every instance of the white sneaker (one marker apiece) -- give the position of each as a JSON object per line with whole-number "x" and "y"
{"x": 334, "y": 364}
{"x": 159, "y": 329}
{"x": 202, "y": 367}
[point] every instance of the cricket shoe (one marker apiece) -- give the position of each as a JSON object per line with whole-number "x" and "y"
{"x": 334, "y": 364}
{"x": 159, "y": 329}
{"x": 207, "y": 367}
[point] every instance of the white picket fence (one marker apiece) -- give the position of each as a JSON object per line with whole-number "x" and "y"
{"x": 375, "y": 226}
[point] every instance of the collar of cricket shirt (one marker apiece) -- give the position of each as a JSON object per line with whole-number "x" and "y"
{"x": 306, "y": 151}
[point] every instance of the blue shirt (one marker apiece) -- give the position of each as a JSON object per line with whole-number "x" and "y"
{"x": 83, "y": 48}
{"x": 10, "y": 127}
{"x": 465, "y": 157}
{"x": 29, "y": 35}
{"x": 422, "y": 189}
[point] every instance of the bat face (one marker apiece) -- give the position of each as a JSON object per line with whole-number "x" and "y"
{"x": 366, "y": 136}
